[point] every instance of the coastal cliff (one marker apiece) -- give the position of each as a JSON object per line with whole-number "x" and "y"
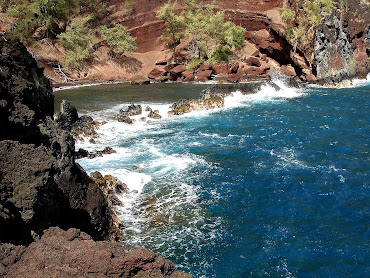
{"x": 335, "y": 49}
{"x": 41, "y": 186}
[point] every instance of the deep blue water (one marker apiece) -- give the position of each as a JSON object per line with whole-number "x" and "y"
{"x": 271, "y": 187}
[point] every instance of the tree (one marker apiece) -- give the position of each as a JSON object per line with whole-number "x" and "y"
{"x": 173, "y": 24}
{"x": 23, "y": 16}
{"x": 309, "y": 15}
{"x": 51, "y": 12}
{"x": 118, "y": 38}
{"x": 212, "y": 37}
{"x": 76, "y": 41}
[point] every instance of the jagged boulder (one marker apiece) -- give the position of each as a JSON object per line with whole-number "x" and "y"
{"x": 154, "y": 115}
{"x": 68, "y": 115}
{"x": 132, "y": 110}
{"x": 25, "y": 94}
{"x": 41, "y": 185}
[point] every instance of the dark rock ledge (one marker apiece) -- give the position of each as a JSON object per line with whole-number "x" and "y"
{"x": 41, "y": 186}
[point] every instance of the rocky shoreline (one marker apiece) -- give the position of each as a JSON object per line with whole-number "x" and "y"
{"x": 41, "y": 186}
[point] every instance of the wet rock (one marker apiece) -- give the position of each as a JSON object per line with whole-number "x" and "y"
{"x": 85, "y": 127}
{"x": 68, "y": 115}
{"x": 82, "y": 153}
{"x": 288, "y": 70}
{"x": 154, "y": 115}
{"x": 208, "y": 100}
{"x": 133, "y": 110}
{"x": 221, "y": 78}
{"x": 148, "y": 109}
{"x": 110, "y": 186}
{"x": 72, "y": 253}
{"x": 125, "y": 119}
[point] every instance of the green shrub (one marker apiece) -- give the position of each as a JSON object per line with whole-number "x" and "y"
{"x": 127, "y": 4}
{"x": 25, "y": 18}
{"x": 289, "y": 33}
{"x": 76, "y": 41}
{"x": 287, "y": 15}
{"x": 118, "y": 38}
{"x": 194, "y": 63}
{"x": 220, "y": 54}
{"x": 173, "y": 24}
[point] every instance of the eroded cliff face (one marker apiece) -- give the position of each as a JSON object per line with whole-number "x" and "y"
{"x": 338, "y": 48}
{"x": 341, "y": 48}
{"x": 40, "y": 184}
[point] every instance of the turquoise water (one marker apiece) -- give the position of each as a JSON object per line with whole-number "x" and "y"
{"x": 274, "y": 185}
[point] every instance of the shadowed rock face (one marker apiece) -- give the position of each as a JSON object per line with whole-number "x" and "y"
{"x": 40, "y": 184}
{"x": 73, "y": 253}
{"x": 333, "y": 52}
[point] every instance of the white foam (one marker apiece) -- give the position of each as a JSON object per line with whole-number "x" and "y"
{"x": 352, "y": 83}
{"x": 269, "y": 92}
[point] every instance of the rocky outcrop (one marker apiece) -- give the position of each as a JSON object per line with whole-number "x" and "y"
{"x": 73, "y": 253}
{"x": 82, "y": 153}
{"x": 41, "y": 185}
{"x": 80, "y": 127}
{"x": 124, "y": 115}
{"x": 333, "y": 52}
{"x": 212, "y": 98}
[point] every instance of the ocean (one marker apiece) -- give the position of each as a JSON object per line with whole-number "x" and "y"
{"x": 276, "y": 184}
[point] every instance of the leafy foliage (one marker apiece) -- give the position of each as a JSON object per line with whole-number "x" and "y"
{"x": 29, "y": 15}
{"x": 173, "y": 24}
{"x": 25, "y": 20}
{"x": 307, "y": 18}
{"x": 127, "y": 4}
{"x": 118, "y": 38}
{"x": 95, "y": 8}
{"x": 76, "y": 41}
{"x": 211, "y": 37}
{"x": 194, "y": 63}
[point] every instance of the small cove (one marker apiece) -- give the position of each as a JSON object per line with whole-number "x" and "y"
{"x": 275, "y": 184}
